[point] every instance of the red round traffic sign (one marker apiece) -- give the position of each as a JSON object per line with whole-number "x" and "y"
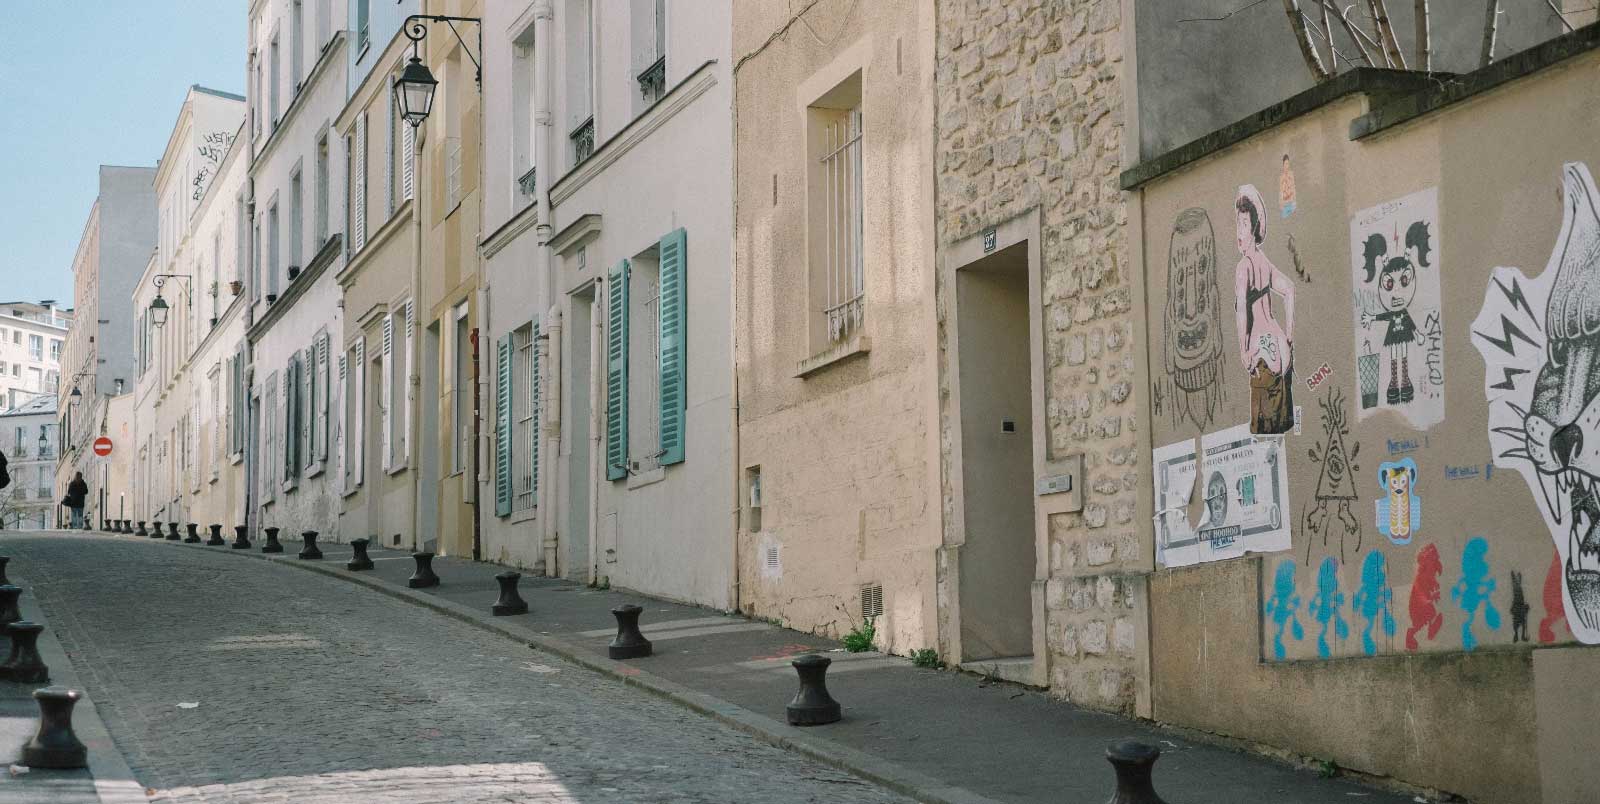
{"x": 102, "y": 446}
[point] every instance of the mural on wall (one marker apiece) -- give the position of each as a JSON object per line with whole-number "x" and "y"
{"x": 1554, "y": 611}
{"x": 1246, "y": 493}
{"x": 1475, "y": 591}
{"x": 1283, "y": 608}
{"x": 1286, "y": 188}
{"x": 1327, "y": 607}
{"x": 1542, "y": 382}
{"x": 1519, "y": 609}
{"x": 1373, "y": 602}
{"x": 1266, "y": 345}
{"x": 1395, "y": 273}
{"x": 1400, "y": 509}
{"x": 1426, "y": 618}
{"x": 1336, "y": 485}
{"x": 1192, "y": 321}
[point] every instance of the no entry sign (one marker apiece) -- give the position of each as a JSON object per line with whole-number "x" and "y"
{"x": 102, "y": 446}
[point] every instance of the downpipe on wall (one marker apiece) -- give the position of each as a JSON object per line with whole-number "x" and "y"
{"x": 597, "y": 462}
{"x": 552, "y": 439}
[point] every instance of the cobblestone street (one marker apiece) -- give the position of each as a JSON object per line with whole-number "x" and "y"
{"x": 225, "y": 680}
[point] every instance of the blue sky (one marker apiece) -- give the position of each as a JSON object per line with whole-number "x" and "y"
{"x": 85, "y": 83}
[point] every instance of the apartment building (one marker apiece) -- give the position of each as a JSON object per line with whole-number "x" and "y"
{"x": 32, "y": 337}
{"x": 29, "y": 437}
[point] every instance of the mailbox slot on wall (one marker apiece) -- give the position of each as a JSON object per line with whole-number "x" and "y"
{"x": 1066, "y": 479}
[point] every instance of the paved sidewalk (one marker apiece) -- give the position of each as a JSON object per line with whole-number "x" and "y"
{"x": 936, "y": 735}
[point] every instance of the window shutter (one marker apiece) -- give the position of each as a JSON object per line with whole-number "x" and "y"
{"x": 408, "y": 160}
{"x": 502, "y": 429}
{"x": 344, "y": 388}
{"x": 386, "y": 393}
{"x": 405, "y": 410}
{"x": 535, "y": 410}
{"x": 674, "y": 270}
{"x": 305, "y": 393}
{"x": 359, "y": 453}
{"x": 617, "y": 373}
{"x": 289, "y": 429}
{"x": 358, "y": 183}
{"x": 388, "y": 157}
{"x": 325, "y": 396}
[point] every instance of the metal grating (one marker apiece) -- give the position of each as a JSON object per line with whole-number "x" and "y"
{"x": 871, "y": 601}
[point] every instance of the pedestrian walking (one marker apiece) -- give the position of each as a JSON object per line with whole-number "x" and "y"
{"x": 77, "y": 493}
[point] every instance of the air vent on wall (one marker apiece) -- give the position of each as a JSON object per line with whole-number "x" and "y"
{"x": 871, "y": 601}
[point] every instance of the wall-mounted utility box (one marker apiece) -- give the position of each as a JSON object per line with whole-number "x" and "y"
{"x": 1067, "y": 479}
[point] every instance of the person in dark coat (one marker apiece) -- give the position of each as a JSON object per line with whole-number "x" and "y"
{"x": 77, "y": 492}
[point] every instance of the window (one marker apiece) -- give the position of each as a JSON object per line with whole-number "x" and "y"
{"x": 389, "y": 185}
{"x": 216, "y": 275}
{"x": 271, "y": 437}
{"x": 408, "y": 160}
{"x": 363, "y": 13}
{"x": 580, "y": 78}
{"x": 649, "y": 51}
{"x": 272, "y": 249}
{"x": 644, "y": 347}
{"x": 358, "y": 186}
{"x": 352, "y": 368}
{"x": 452, "y": 173}
{"x": 313, "y": 405}
{"x": 255, "y": 260}
{"x": 55, "y": 350}
{"x": 296, "y": 218}
{"x": 516, "y": 420}
{"x": 241, "y": 217}
{"x": 35, "y": 347}
{"x": 837, "y": 282}
{"x": 272, "y": 83}
{"x": 297, "y": 48}
{"x": 322, "y": 190}
{"x": 396, "y": 368}
{"x": 645, "y": 357}
{"x": 461, "y": 442}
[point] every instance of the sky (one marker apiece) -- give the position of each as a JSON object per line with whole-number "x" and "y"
{"x": 85, "y": 83}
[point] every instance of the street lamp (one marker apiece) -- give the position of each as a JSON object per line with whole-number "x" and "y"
{"x": 75, "y": 397}
{"x": 158, "y": 311}
{"x": 413, "y": 90}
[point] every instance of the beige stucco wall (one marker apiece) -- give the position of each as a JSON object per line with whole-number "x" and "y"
{"x": 1484, "y": 722}
{"x": 848, "y": 455}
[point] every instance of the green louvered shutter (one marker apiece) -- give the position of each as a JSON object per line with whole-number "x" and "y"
{"x": 502, "y": 430}
{"x": 535, "y": 411}
{"x": 673, "y": 380}
{"x": 617, "y": 373}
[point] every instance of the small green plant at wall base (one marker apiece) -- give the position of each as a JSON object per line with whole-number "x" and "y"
{"x": 926, "y": 657}
{"x": 1327, "y": 768}
{"x": 860, "y": 639}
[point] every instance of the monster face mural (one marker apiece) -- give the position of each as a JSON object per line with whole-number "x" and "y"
{"x": 1540, "y": 341}
{"x": 1193, "y": 320}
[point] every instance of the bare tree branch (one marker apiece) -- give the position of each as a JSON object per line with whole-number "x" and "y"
{"x": 1302, "y": 37}
{"x": 1424, "y": 52}
{"x": 1350, "y": 28}
{"x": 1385, "y": 29}
{"x": 1327, "y": 28}
{"x": 1490, "y": 27}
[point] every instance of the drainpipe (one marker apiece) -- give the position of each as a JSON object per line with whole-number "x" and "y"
{"x": 597, "y": 460}
{"x": 247, "y": 371}
{"x": 552, "y": 438}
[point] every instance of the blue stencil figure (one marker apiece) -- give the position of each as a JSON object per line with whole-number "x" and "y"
{"x": 1328, "y": 606}
{"x": 1284, "y": 607}
{"x": 1372, "y": 601}
{"x": 1474, "y": 590}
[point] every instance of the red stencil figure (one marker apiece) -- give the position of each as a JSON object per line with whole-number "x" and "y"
{"x": 1554, "y": 610}
{"x": 1425, "y": 597}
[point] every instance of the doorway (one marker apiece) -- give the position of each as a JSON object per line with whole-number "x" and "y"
{"x": 427, "y": 536}
{"x": 580, "y": 339}
{"x": 994, "y": 375}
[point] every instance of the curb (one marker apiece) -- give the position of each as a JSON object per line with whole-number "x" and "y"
{"x": 114, "y": 782}
{"x": 890, "y": 775}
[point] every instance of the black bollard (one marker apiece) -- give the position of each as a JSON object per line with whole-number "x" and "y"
{"x": 4, "y": 560}
{"x": 172, "y": 532}
{"x": 141, "y": 531}
{"x": 629, "y": 643}
{"x": 24, "y": 665}
{"x": 127, "y": 526}
{"x": 272, "y": 545}
{"x": 423, "y": 577}
{"x": 1133, "y": 762}
{"x": 9, "y": 613}
{"x": 510, "y": 602}
{"x": 359, "y": 561}
{"x": 241, "y": 537}
{"x": 812, "y": 705}
{"x": 216, "y": 539}
{"x": 194, "y": 534}
{"x": 310, "y": 551}
{"x": 55, "y": 745}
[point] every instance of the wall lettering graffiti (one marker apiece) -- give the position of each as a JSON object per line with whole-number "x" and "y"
{"x": 1336, "y": 484}
{"x": 1266, "y": 346}
{"x": 1396, "y": 277}
{"x": 1192, "y": 323}
{"x": 1426, "y": 618}
{"x": 1317, "y": 377}
{"x": 212, "y": 148}
{"x": 1542, "y": 382}
{"x": 1474, "y": 591}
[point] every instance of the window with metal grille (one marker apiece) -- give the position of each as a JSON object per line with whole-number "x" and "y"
{"x": 644, "y": 363}
{"x": 841, "y": 191}
{"x": 523, "y": 416}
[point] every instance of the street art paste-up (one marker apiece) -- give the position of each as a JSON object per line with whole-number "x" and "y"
{"x": 1475, "y": 590}
{"x": 1283, "y": 608}
{"x": 1373, "y": 602}
{"x": 1395, "y": 274}
{"x": 1192, "y": 321}
{"x": 1554, "y": 610}
{"x": 1399, "y": 509}
{"x": 1266, "y": 347}
{"x": 1336, "y": 484}
{"x": 1327, "y": 607}
{"x": 1542, "y": 382}
{"x": 1426, "y": 618}
{"x": 1286, "y": 188}
{"x": 1519, "y": 609}
{"x": 1246, "y": 493}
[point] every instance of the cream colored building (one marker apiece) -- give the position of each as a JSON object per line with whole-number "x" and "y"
{"x": 28, "y": 437}
{"x": 838, "y": 442}
{"x": 32, "y": 338}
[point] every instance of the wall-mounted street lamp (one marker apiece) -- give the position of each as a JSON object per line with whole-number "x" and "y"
{"x": 413, "y": 90}
{"x": 159, "y": 308}
{"x": 76, "y": 396}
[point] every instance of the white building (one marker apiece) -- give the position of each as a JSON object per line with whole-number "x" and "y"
{"x": 608, "y": 223}
{"x": 297, "y": 87}
{"x": 29, "y": 437}
{"x": 190, "y": 351}
{"x": 32, "y": 337}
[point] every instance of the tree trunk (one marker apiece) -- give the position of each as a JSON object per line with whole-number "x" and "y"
{"x": 1308, "y": 46}
{"x": 1424, "y": 50}
{"x": 1490, "y": 27}
{"x": 1385, "y": 28}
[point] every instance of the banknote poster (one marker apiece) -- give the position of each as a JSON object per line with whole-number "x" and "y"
{"x": 1244, "y": 485}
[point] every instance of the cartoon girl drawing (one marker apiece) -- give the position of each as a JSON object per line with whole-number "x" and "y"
{"x": 1397, "y": 288}
{"x": 1265, "y": 346}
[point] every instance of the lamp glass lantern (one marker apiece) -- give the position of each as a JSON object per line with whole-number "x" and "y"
{"x": 75, "y": 397}
{"x": 413, "y": 91}
{"x": 158, "y": 311}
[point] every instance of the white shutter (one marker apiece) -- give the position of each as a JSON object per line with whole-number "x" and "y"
{"x": 344, "y": 388}
{"x": 405, "y": 413}
{"x": 386, "y": 393}
{"x": 358, "y": 216}
{"x": 359, "y": 454}
{"x": 408, "y": 160}
{"x": 388, "y": 158}
{"x": 325, "y": 392}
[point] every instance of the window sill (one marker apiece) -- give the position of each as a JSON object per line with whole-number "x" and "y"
{"x": 213, "y": 480}
{"x": 837, "y": 353}
{"x": 236, "y": 458}
{"x": 522, "y": 517}
{"x": 351, "y": 491}
{"x": 397, "y": 468}
{"x": 316, "y": 469}
{"x": 647, "y": 478}
{"x": 289, "y": 486}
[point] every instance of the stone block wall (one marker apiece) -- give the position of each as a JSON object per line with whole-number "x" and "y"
{"x": 1030, "y": 115}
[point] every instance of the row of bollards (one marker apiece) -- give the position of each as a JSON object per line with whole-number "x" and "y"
{"x": 54, "y": 745}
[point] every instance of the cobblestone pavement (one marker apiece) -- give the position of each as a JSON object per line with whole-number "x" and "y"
{"x": 229, "y": 680}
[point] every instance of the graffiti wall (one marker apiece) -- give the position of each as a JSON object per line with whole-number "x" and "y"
{"x": 1372, "y": 405}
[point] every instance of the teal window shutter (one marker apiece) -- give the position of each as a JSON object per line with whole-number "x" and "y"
{"x": 535, "y": 412}
{"x": 502, "y": 429}
{"x": 673, "y": 336}
{"x": 617, "y": 372}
